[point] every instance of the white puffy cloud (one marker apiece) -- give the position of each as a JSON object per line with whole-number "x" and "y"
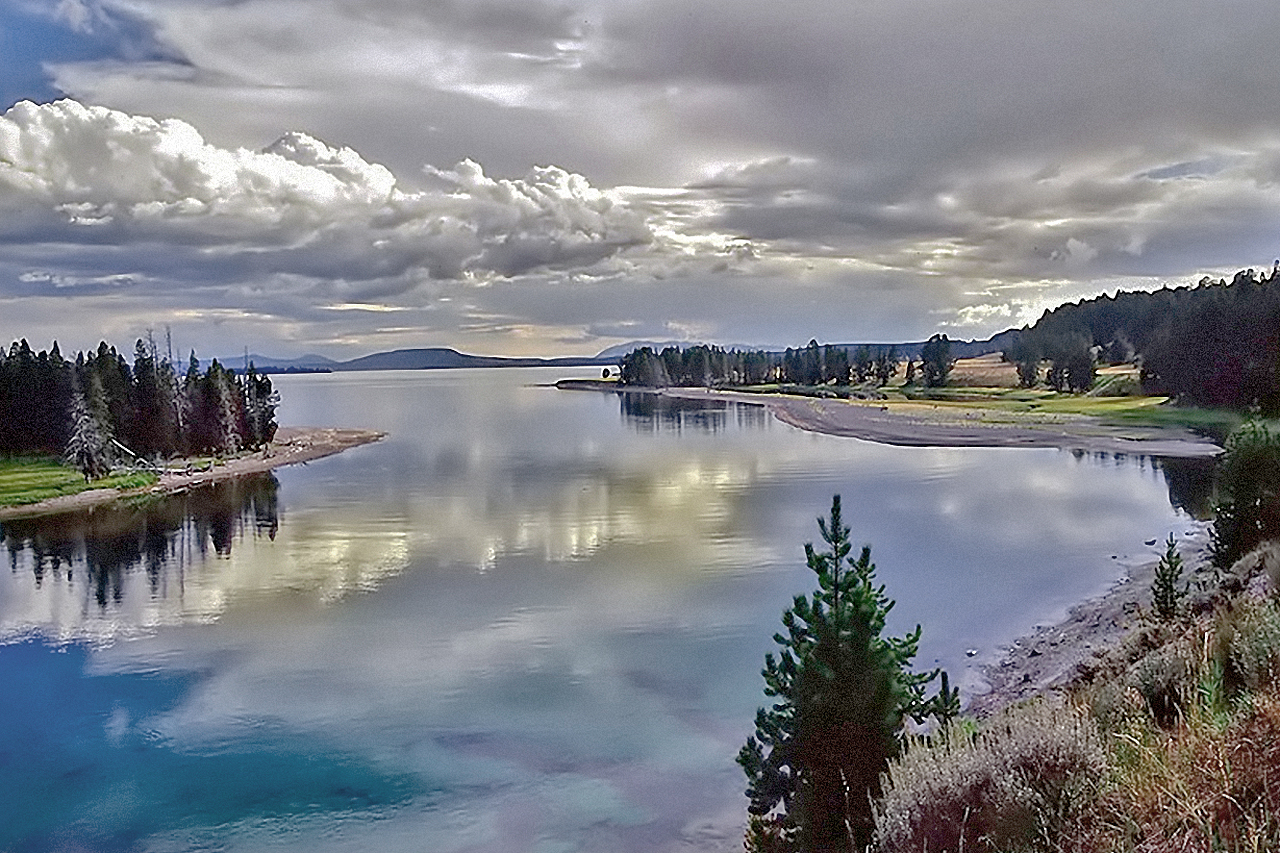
{"x": 82, "y": 174}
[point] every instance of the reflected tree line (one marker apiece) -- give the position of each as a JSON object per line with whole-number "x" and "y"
{"x": 1191, "y": 481}
{"x": 160, "y": 537}
{"x": 653, "y": 413}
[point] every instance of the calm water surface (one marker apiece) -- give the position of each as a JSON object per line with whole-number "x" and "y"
{"x": 528, "y": 620}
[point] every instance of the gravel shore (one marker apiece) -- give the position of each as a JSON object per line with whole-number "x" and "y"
{"x": 1052, "y": 657}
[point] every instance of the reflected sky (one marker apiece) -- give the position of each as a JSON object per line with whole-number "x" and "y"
{"x": 529, "y": 619}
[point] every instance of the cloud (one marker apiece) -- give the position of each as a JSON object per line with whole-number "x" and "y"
{"x": 729, "y": 166}
{"x": 94, "y": 175}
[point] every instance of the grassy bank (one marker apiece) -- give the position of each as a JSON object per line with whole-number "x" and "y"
{"x": 31, "y": 480}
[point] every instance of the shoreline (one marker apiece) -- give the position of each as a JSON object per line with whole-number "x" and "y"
{"x": 1050, "y": 659}
{"x": 291, "y": 446}
{"x": 918, "y": 424}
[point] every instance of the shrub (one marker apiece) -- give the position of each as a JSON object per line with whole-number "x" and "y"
{"x": 1011, "y": 786}
{"x": 1163, "y": 678}
{"x": 1255, "y": 648}
{"x": 1248, "y": 511}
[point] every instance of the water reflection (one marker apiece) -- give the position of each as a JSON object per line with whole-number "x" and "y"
{"x": 654, "y": 413}
{"x": 99, "y": 553}
{"x": 1191, "y": 484}
{"x": 1190, "y": 481}
{"x": 525, "y": 621}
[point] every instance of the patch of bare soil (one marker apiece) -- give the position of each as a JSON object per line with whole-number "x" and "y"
{"x": 291, "y": 446}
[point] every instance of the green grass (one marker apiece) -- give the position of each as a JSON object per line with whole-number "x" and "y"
{"x": 30, "y": 480}
{"x": 1130, "y": 410}
{"x": 1215, "y": 423}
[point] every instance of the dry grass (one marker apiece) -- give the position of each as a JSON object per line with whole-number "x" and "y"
{"x": 1187, "y": 723}
{"x": 986, "y": 371}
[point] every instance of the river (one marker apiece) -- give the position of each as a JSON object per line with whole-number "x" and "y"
{"x": 528, "y": 620}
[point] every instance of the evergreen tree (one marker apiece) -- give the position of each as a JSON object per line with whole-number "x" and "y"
{"x": 863, "y": 364}
{"x": 886, "y": 366}
{"x": 153, "y": 431}
{"x": 936, "y": 361}
{"x": 842, "y": 694}
{"x": 835, "y": 362}
{"x": 1166, "y": 594}
{"x": 259, "y": 407}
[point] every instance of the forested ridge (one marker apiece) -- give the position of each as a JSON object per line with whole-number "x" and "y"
{"x": 1216, "y": 344}
{"x": 96, "y": 407}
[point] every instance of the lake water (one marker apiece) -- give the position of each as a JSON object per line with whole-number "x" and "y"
{"x": 528, "y": 620}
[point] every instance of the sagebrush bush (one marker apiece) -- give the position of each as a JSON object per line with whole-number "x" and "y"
{"x": 1164, "y": 678}
{"x": 1254, "y": 654}
{"x": 1010, "y": 786}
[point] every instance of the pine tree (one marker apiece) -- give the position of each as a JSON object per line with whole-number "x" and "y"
{"x": 1166, "y": 594}
{"x": 89, "y": 447}
{"x": 843, "y": 692}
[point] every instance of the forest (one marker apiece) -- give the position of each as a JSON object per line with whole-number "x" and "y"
{"x": 1215, "y": 345}
{"x": 96, "y": 408}
{"x": 815, "y": 364}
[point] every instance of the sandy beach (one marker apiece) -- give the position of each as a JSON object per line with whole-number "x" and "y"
{"x": 291, "y": 446}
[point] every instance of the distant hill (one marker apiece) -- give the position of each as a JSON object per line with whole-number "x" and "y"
{"x": 267, "y": 364}
{"x": 440, "y": 358}
{"x": 444, "y": 358}
{"x": 959, "y": 349}
{"x": 617, "y": 352}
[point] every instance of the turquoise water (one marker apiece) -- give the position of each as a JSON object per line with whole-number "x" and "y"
{"x": 528, "y": 620}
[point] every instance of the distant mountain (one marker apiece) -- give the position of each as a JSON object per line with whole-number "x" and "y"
{"x": 266, "y": 364}
{"x": 631, "y": 346}
{"x": 959, "y": 348}
{"x": 617, "y": 352}
{"x": 440, "y": 358}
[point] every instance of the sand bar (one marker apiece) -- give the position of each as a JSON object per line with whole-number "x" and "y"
{"x": 922, "y": 424}
{"x": 290, "y": 446}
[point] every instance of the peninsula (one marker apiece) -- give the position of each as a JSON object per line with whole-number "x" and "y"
{"x": 290, "y": 446}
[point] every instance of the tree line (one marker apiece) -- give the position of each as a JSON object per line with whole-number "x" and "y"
{"x": 97, "y": 408}
{"x": 815, "y": 364}
{"x": 1216, "y": 344}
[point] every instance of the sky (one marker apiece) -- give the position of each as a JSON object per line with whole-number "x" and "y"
{"x": 552, "y": 177}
